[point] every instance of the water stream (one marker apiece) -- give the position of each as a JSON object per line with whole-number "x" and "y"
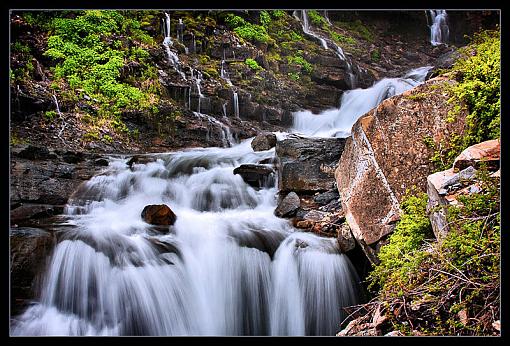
{"x": 439, "y": 31}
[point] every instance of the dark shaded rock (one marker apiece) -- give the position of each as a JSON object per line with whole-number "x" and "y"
{"x": 308, "y": 164}
{"x": 326, "y": 197}
{"x": 158, "y": 214}
{"x": 34, "y": 211}
{"x": 345, "y": 239}
{"x": 32, "y": 152}
{"x": 101, "y": 162}
{"x": 256, "y": 175}
{"x": 264, "y": 141}
{"x": 288, "y": 206}
{"x": 30, "y": 249}
{"x": 73, "y": 157}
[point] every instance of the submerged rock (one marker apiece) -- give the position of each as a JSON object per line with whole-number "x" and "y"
{"x": 264, "y": 141}
{"x": 158, "y": 214}
{"x": 256, "y": 175}
{"x": 288, "y": 206}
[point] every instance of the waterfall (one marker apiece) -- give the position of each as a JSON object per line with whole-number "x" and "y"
{"x": 355, "y": 103}
{"x": 236, "y": 104}
{"x": 226, "y": 136}
{"x": 439, "y": 31}
{"x": 167, "y": 43}
{"x": 303, "y": 18}
{"x": 197, "y": 80}
{"x": 228, "y": 266}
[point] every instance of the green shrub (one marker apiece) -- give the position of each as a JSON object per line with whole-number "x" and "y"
{"x": 247, "y": 30}
{"x": 477, "y": 91}
{"x": 402, "y": 256}
{"x": 277, "y": 13}
{"x": 300, "y": 61}
{"x": 265, "y": 19}
{"x": 252, "y": 64}
{"x": 375, "y": 55}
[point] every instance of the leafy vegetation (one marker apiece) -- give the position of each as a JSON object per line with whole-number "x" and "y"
{"x": 300, "y": 61}
{"x": 358, "y": 27}
{"x": 316, "y": 18}
{"x": 252, "y": 64}
{"x": 248, "y": 31}
{"x": 477, "y": 91}
{"x": 91, "y": 60}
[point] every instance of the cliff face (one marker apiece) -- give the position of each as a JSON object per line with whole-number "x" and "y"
{"x": 213, "y": 66}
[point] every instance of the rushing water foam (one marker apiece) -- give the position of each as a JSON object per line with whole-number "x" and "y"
{"x": 228, "y": 266}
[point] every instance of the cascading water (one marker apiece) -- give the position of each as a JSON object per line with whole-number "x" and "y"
{"x": 355, "y": 103}
{"x": 439, "y": 31}
{"x": 236, "y": 104}
{"x": 226, "y": 136}
{"x": 198, "y": 80}
{"x": 228, "y": 266}
{"x": 167, "y": 43}
{"x": 224, "y": 75}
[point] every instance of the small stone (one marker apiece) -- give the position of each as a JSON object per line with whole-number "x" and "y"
{"x": 288, "y": 206}
{"x": 263, "y": 141}
{"x": 158, "y": 214}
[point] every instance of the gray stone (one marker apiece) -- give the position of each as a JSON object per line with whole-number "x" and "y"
{"x": 264, "y": 141}
{"x": 256, "y": 175}
{"x": 288, "y": 206}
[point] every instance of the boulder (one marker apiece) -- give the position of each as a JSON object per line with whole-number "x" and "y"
{"x": 387, "y": 155}
{"x": 345, "y": 239}
{"x": 264, "y": 141}
{"x": 34, "y": 211}
{"x": 308, "y": 164}
{"x": 158, "y": 214}
{"x": 488, "y": 151}
{"x": 256, "y": 175}
{"x": 30, "y": 249}
{"x": 436, "y": 204}
{"x": 288, "y": 206}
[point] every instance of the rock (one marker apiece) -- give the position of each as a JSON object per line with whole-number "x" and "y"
{"x": 32, "y": 211}
{"x": 256, "y": 175}
{"x": 394, "y": 333}
{"x": 140, "y": 160}
{"x": 32, "y": 152}
{"x": 436, "y": 204}
{"x": 307, "y": 219}
{"x": 308, "y": 164}
{"x": 488, "y": 151}
{"x": 30, "y": 249}
{"x": 101, "y": 162}
{"x": 264, "y": 141}
{"x": 326, "y": 197}
{"x": 158, "y": 214}
{"x": 386, "y": 155}
{"x": 288, "y": 206}
{"x": 463, "y": 176}
{"x": 345, "y": 239}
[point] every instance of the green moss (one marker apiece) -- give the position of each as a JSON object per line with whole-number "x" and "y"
{"x": 248, "y": 31}
{"x": 359, "y": 28}
{"x": 50, "y": 115}
{"x": 265, "y": 19}
{"x": 316, "y": 18}
{"x": 375, "y": 55}
{"x": 300, "y": 61}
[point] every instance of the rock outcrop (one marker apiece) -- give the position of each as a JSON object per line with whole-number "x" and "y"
{"x": 158, "y": 214}
{"x": 444, "y": 188}
{"x": 307, "y": 165}
{"x": 387, "y": 154}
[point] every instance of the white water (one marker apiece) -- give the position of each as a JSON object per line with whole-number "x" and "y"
{"x": 236, "y": 104}
{"x": 439, "y": 31}
{"x": 227, "y": 267}
{"x": 354, "y": 103}
{"x": 226, "y": 136}
{"x": 198, "y": 80}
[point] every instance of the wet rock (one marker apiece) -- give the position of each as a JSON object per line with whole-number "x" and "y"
{"x": 488, "y": 152}
{"x": 288, "y": 206}
{"x": 264, "y": 141}
{"x": 256, "y": 175}
{"x": 308, "y": 164}
{"x": 386, "y": 155}
{"x": 30, "y": 249}
{"x": 158, "y": 214}
{"x": 141, "y": 160}
{"x": 436, "y": 204}
{"x": 73, "y": 157}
